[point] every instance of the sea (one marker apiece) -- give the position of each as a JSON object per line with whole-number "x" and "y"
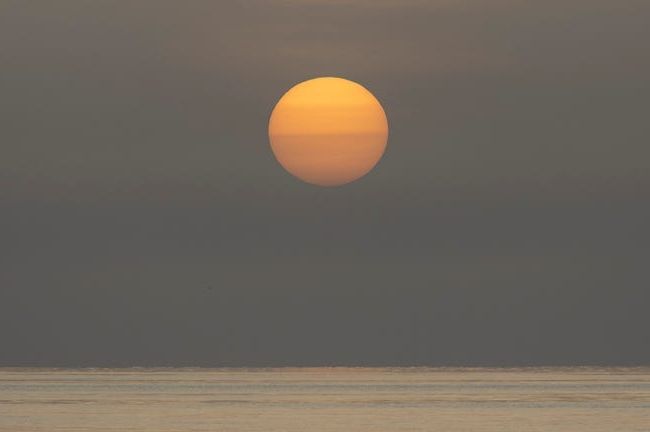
{"x": 325, "y": 399}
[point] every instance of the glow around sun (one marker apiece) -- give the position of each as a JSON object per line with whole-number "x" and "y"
{"x": 328, "y": 131}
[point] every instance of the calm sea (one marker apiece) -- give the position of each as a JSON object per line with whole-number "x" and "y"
{"x": 325, "y": 399}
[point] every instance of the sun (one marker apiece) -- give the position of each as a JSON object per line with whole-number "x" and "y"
{"x": 328, "y": 131}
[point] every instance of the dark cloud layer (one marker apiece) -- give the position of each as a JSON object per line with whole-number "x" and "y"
{"x": 145, "y": 221}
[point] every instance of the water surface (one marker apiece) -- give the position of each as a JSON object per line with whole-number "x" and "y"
{"x": 326, "y": 399}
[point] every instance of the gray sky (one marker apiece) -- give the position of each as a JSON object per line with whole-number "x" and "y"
{"x": 144, "y": 220}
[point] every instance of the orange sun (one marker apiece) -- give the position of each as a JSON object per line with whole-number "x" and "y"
{"x": 328, "y": 131}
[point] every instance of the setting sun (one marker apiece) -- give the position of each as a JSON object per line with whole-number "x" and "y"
{"x": 328, "y": 131}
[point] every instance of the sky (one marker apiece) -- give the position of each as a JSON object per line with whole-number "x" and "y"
{"x": 145, "y": 222}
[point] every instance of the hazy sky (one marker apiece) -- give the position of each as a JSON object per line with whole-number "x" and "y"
{"x": 144, "y": 220}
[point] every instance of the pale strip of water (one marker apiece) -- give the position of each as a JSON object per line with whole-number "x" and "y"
{"x": 326, "y": 399}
